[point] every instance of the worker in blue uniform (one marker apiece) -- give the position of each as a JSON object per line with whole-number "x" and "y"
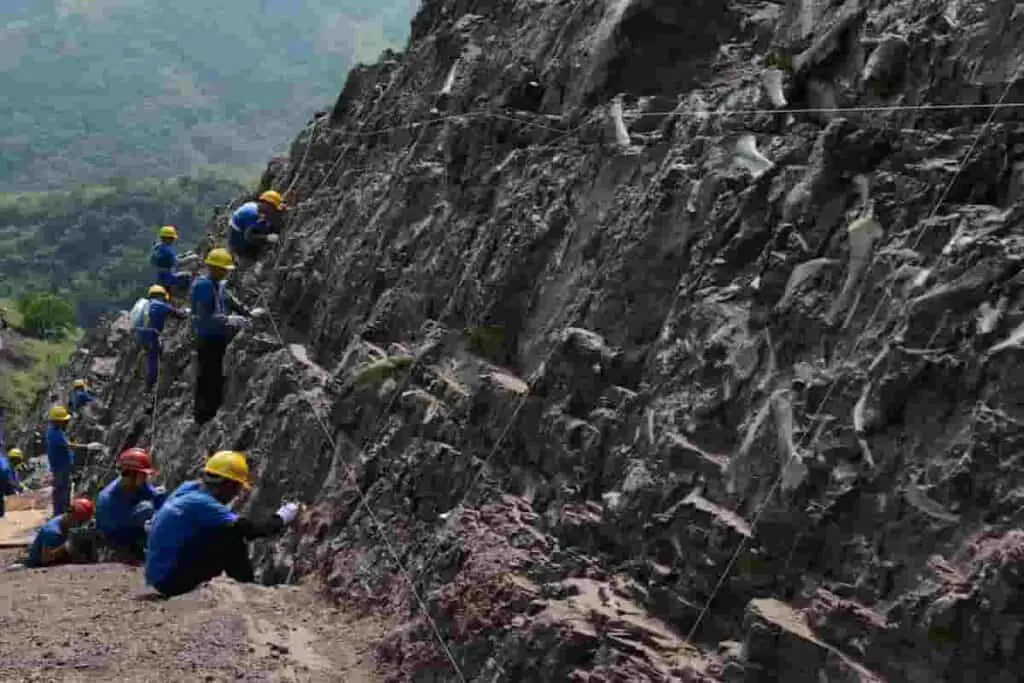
{"x": 213, "y": 328}
{"x": 151, "y": 325}
{"x": 56, "y": 541}
{"x": 255, "y": 224}
{"x": 195, "y": 536}
{"x": 165, "y": 261}
{"x": 126, "y": 504}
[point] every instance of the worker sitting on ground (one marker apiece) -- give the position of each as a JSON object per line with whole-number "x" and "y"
{"x": 165, "y": 261}
{"x": 9, "y": 484}
{"x": 62, "y": 540}
{"x": 254, "y": 224}
{"x": 126, "y": 504}
{"x": 195, "y": 536}
{"x": 213, "y": 329}
{"x": 149, "y": 327}
{"x": 80, "y": 397}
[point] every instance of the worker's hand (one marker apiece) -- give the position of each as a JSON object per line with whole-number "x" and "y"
{"x": 272, "y": 238}
{"x": 257, "y": 312}
{"x": 288, "y": 512}
{"x": 95, "y": 446}
{"x": 160, "y": 490}
{"x": 236, "y": 320}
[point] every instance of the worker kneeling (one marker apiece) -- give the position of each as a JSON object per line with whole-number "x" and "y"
{"x": 126, "y": 504}
{"x": 64, "y": 539}
{"x": 195, "y": 536}
{"x": 254, "y": 224}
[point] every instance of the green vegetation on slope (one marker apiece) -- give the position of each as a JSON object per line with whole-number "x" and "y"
{"x": 91, "y": 244}
{"x": 27, "y": 365}
{"x": 91, "y": 89}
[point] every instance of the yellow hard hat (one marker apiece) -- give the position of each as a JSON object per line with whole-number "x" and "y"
{"x": 15, "y": 454}
{"x": 273, "y": 198}
{"x": 220, "y": 258}
{"x": 229, "y": 465}
{"x": 169, "y": 231}
{"x": 158, "y": 290}
{"x": 59, "y": 414}
{"x": 78, "y": 384}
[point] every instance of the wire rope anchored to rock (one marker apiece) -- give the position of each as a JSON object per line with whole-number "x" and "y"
{"x": 759, "y": 510}
{"x": 364, "y": 503}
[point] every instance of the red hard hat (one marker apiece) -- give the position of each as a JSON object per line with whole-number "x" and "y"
{"x": 135, "y": 460}
{"x": 81, "y": 509}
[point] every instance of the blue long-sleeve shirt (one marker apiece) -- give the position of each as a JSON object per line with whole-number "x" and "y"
{"x": 9, "y": 483}
{"x": 163, "y": 257}
{"x": 80, "y": 398}
{"x": 117, "y": 514}
{"x": 247, "y": 222}
{"x": 181, "y": 530}
{"x": 164, "y": 260}
{"x": 51, "y": 535}
{"x": 209, "y": 314}
{"x": 58, "y": 451}
{"x": 154, "y": 319}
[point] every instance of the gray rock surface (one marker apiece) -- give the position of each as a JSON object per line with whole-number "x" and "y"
{"x": 665, "y": 421}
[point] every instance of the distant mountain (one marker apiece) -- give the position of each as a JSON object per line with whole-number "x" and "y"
{"x": 95, "y": 89}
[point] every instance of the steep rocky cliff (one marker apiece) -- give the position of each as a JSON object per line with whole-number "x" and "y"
{"x": 666, "y": 386}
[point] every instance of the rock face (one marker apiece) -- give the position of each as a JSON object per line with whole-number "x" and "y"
{"x": 586, "y": 407}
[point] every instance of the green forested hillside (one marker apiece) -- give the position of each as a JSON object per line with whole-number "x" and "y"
{"x": 94, "y": 89}
{"x": 91, "y": 244}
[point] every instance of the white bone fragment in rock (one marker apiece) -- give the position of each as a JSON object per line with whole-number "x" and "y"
{"x": 771, "y": 79}
{"x": 863, "y": 233}
{"x": 746, "y": 155}
{"x": 1012, "y": 341}
{"x": 449, "y": 82}
{"x": 794, "y": 471}
{"x": 988, "y": 317}
{"x": 621, "y": 132}
{"x": 859, "y": 420}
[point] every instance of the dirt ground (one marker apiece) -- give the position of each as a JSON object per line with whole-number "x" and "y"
{"x": 100, "y": 623}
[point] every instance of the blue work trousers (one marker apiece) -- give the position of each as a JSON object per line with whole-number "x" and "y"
{"x": 61, "y": 491}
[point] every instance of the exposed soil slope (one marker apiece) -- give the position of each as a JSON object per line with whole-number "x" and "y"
{"x": 99, "y": 623}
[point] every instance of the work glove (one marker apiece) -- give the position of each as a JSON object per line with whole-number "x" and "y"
{"x": 257, "y": 312}
{"x": 288, "y": 512}
{"x": 236, "y": 320}
{"x": 273, "y": 238}
{"x": 95, "y": 446}
{"x": 160, "y": 490}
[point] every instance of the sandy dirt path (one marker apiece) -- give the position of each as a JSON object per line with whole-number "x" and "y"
{"x": 99, "y": 623}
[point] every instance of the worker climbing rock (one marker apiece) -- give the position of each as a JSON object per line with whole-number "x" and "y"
{"x": 126, "y": 504}
{"x": 195, "y": 536}
{"x": 62, "y": 539}
{"x": 165, "y": 261}
{"x": 150, "y": 325}
{"x": 254, "y": 224}
{"x": 9, "y": 484}
{"x": 213, "y": 329}
{"x": 80, "y": 397}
